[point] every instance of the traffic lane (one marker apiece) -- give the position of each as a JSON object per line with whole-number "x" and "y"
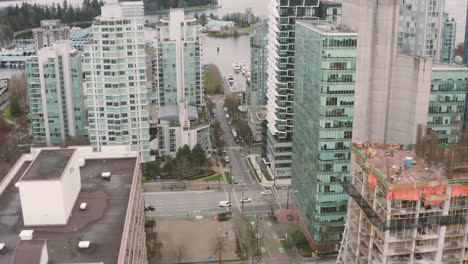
{"x": 184, "y": 202}
{"x": 240, "y": 168}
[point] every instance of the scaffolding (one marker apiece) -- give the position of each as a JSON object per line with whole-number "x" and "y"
{"x": 409, "y": 202}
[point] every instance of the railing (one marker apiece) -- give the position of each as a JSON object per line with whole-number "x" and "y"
{"x": 11, "y": 174}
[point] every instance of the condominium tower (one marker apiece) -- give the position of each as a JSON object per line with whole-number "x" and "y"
{"x": 256, "y": 92}
{"x": 449, "y": 33}
{"x": 420, "y": 27}
{"x": 115, "y": 78}
{"x": 465, "y": 52}
{"x": 325, "y": 68}
{"x": 277, "y": 146}
{"x": 55, "y": 94}
{"x": 178, "y": 79}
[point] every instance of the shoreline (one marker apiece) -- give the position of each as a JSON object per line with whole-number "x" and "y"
{"x": 186, "y": 9}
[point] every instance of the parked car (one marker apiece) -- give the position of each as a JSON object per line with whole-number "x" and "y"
{"x": 225, "y": 109}
{"x": 246, "y": 200}
{"x": 149, "y": 207}
{"x": 226, "y": 159}
{"x": 234, "y": 180}
{"x": 266, "y": 192}
{"x": 224, "y": 204}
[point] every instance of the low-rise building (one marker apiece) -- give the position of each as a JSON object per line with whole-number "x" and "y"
{"x": 49, "y": 32}
{"x": 255, "y": 117}
{"x": 73, "y": 205}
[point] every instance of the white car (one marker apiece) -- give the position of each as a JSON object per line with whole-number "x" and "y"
{"x": 245, "y": 200}
{"x": 224, "y": 204}
{"x": 226, "y": 159}
{"x": 266, "y": 192}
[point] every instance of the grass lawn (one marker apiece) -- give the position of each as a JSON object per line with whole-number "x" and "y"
{"x": 7, "y": 114}
{"x": 228, "y": 177}
{"x": 267, "y": 175}
{"x": 208, "y": 81}
{"x": 254, "y": 170}
{"x": 217, "y": 177}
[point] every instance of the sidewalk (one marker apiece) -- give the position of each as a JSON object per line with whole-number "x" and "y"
{"x": 265, "y": 182}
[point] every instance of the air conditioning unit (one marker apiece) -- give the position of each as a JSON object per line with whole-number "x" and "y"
{"x": 26, "y": 234}
{"x": 83, "y": 206}
{"x": 81, "y": 162}
{"x": 84, "y": 244}
{"x": 106, "y": 175}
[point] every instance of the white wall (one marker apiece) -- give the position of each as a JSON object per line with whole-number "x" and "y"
{"x": 70, "y": 185}
{"x": 41, "y": 203}
{"x": 44, "y": 255}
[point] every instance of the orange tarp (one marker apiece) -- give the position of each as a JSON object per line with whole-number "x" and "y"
{"x": 412, "y": 195}
{"x": 371, "y": 179}
{"x": 432, "y": 192}
{"x": 460, "y": 190}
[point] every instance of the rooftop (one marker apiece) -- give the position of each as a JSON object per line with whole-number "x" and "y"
{"x": 29, "y": 251}
{"x": 327, "y": 28}
{"x": 389, "y": 161}
{"x": 49, "y": 165}
{"x": 102, "y": 222}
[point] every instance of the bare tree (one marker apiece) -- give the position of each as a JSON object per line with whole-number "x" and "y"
{"x": 219, "y": 247}
{"x": 180, "y": 251}
{"x": 250, "y": 235}
{"x": 18, "y": 95}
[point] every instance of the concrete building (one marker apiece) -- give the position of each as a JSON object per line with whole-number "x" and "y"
{"x": 449, "y": 36}
{"x": 257, "y": 90}
{"x": 49, "y": 32}
{"x": 55, "y": 207}
{"x": 447, "y": 101}
{"x": 255, "y": 116}
{"x": 115, "y": 78}
{"x": 55, "y": 94}
{"x": 420, "y": 27}
{"x": 330, "y": 11}
{"x": 465, "y": 53}
{"x": 325, "y": 68}
{"x": 277, "y": 144}
{"x": 405, "y": 205}
{"x": 181, "y": 112}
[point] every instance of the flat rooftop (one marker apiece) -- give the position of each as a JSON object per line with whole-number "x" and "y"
{"x": 101, "y": 223}
{"x": 29, "y": 251}
{"x": 326, "y": 27}
{"x": 389, "y": 161}
{"x": 48, "y": 165}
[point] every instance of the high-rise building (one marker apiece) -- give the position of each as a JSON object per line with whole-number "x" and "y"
{"x": 390, "y": 89}
{"x": 325, "y": 68}
{"x": 330, "y": 11}
{"x": 115, "y": 78}
{"x": 277, "y": 144}
{"x": 447, "y": 101}
{"x": 55, "y": 94}
{"x": 178, "y": 79}
{"x": 465, "y": 52}
{"x": 406, "y": 206}
{"x": 49, "y": 32}
{"x": 447, "y": 53}
{"x": 256, "y": 92}
{"x": 73, "y": 205}
{"x": 420, "y": 27}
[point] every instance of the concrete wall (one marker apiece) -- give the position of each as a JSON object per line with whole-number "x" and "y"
{"x": 409, "y": 98}
{"x": 70, "y": 185}
{"x": 41, "y": 203}
{"x": 44, "y": 255}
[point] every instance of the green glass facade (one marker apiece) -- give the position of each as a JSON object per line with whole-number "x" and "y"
{"x": 256, "y": 91}
{"x": 55, "y": 94}
{"x": 323, "y": 118}
{"x": 447, "y": 101}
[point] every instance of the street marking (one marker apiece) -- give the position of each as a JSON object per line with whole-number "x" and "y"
{"x": 263, "y": 250}
{"x": 281, "y": 250}
{"x": 176, "y": 192}
{"x": 268, "y": 223}
{"x": 275, "y": 236}
{"x": 185, "y": 214}
{"x": 237, "y": 201}
{"x": 277, "y": 196}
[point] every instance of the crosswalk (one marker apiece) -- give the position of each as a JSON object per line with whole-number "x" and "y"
{"x": 234, "y": 147}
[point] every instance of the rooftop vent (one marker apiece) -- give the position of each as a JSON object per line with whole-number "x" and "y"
{"x": 84, "y": 244}
{"x": 2, "y": 247}
{"x": 26, "y": 234}
{"x": 106, "y": 175}
{"x": 83, "y": 206}
{"x": 81, "y": 162}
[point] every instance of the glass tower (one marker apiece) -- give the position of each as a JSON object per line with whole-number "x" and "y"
{"x": 323, "y": 120}
{"x": 447, "y": 54}
{"x": 115, "y": 78}
{"x": 256, "y": 92}
{"x": 55, "y": 94}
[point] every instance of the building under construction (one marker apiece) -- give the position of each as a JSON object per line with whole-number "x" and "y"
{"x": 409, "y": 203}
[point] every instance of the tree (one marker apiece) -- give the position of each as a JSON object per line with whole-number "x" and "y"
{"x": 198, "y": 155}
{"x": 152, "y": 169}
{"x": 18, "y": 95}
{"x": 15, "y": 107}
{"x": 4, "y": 130}
{"x": 459, "y": 49}
{"x": 203, "y": 19}
{"x": 180, "y": 251}
{"x": 170, "y": 166}
{"x": 219, "y": 247}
